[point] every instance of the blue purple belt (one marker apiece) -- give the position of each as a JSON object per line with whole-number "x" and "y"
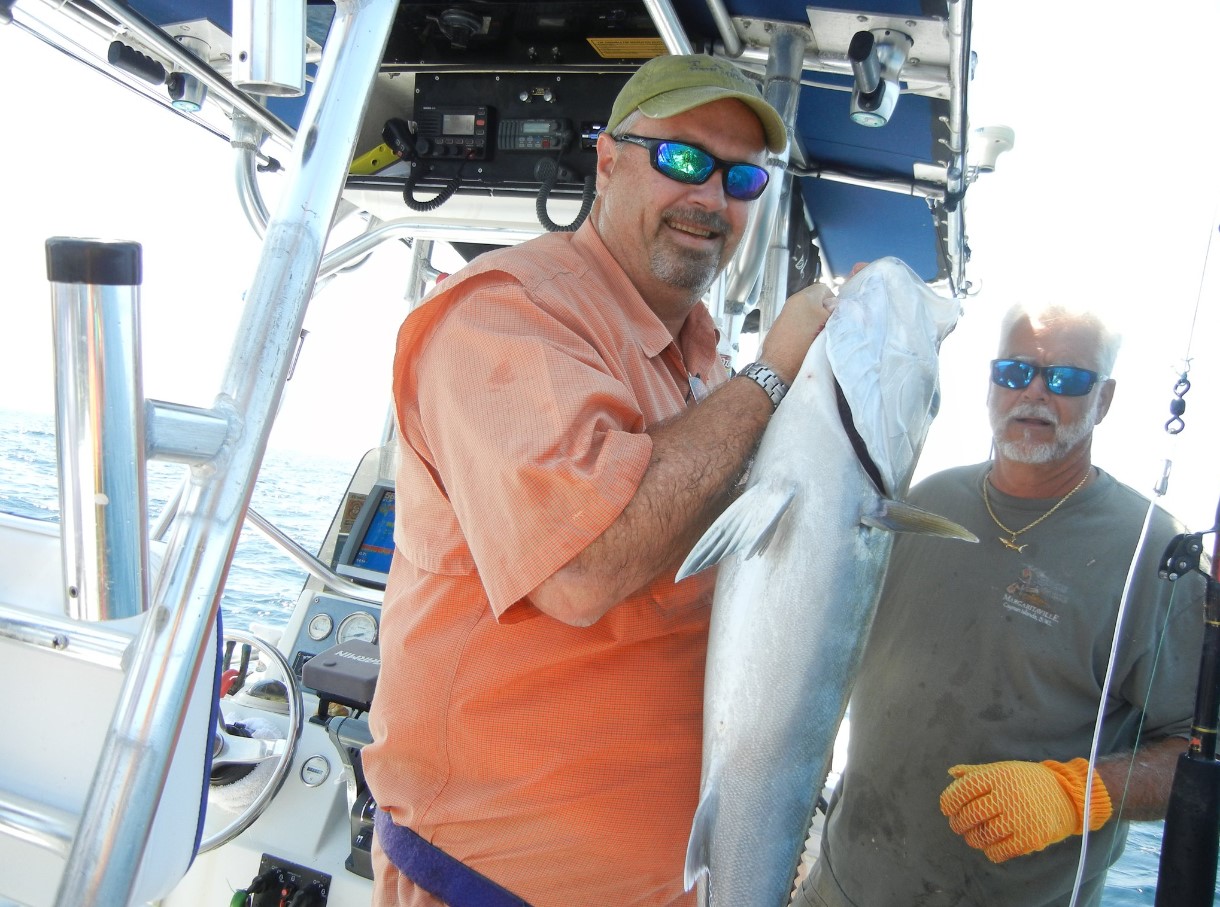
{"x": 436, "y": 872}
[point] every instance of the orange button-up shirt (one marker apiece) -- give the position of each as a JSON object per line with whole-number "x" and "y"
{"x": 561, "y": 762}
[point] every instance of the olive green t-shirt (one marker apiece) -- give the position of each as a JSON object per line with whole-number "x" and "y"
{"x": 980, "y": 653}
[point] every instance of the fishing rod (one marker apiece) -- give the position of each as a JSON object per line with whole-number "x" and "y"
{"x": 1187, "y": 873}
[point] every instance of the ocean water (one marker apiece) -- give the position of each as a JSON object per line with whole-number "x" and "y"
{"x": 296, "y": 492}
{"x": 299, "y": 493}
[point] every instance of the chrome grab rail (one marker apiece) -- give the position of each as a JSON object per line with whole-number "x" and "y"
{"x": 311, "y": 564}
{"x": 102, "y": 644}
{"x": 665, "y": 18}
{"x": 35, "y": 823}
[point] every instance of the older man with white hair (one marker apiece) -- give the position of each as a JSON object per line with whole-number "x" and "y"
{"x": 986, "y": 669}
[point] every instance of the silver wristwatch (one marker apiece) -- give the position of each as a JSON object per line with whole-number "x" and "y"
{"x": 772, "y": 383}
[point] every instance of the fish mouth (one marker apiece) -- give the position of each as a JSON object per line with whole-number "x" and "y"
{"x": 857, "y": 442}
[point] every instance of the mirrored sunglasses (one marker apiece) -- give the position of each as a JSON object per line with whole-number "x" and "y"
{"x": 692, "y": 165}
{"x": 1064, "y": 380}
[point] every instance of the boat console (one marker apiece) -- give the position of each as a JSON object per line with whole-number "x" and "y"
{"x": 319, "y": 825}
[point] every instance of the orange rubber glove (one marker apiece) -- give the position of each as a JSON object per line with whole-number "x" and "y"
{"x": 1009, "y": 809}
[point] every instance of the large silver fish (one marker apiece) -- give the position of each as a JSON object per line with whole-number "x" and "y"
{"x": 805, "y": 549}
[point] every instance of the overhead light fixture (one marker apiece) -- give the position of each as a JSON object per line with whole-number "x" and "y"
{"x": 877, "y": 58}
{"x": 187, "y": 93}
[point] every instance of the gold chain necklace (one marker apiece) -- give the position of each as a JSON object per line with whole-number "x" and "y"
{"x": 1011, "y": 541}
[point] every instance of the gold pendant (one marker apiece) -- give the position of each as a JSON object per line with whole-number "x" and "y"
{"x": 1011, "y": 544}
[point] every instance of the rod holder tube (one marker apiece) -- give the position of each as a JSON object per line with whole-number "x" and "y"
{"x": 269, "y": 47}
{"x": 960, "y": 26}
{"x": 781, "y": 88}
{"x": 99, "y": 416}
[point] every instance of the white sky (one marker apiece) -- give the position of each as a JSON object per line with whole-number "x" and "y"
{"x": 1110, "y": 196}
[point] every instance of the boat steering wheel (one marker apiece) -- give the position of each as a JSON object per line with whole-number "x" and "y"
{"x": 230, "y": 748}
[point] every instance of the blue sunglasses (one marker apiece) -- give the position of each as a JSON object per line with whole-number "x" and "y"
{"x": 1064, "y": 380}
{"x": 692, "y": 165}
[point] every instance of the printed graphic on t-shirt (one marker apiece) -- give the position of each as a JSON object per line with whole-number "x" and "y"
{"x": 1036, "y": 596}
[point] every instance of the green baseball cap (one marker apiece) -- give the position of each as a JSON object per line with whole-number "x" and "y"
{"x": 669, "y": 85}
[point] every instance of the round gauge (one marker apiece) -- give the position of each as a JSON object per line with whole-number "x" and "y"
{"x": 358, "y": 625}
{"x": 320, "y": 626}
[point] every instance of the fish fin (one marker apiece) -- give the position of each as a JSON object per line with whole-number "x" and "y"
{"x": 698, "y": 848}
{"x": 897, "y": 516}
{"x": 748, "y": 524}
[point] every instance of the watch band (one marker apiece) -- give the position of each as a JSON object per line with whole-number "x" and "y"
{"x": 765, "y": 378}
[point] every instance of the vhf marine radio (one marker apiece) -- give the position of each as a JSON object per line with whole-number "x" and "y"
{"x": 523, "y": 134}
{"x": 462, "y": 132}
{"x": 533, "y": 135}
{"x": 452, "y": 132}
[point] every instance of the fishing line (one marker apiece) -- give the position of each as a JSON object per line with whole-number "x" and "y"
{"x": 1211, "y": 233}
{"x": 1105, "y": 692}
{"x": 1173, "y": 427}
{"x": 1139, "y": 728}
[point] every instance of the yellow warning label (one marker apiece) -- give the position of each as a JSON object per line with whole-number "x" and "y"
{"x": 628, "y": 48}
{"x": 372, "y": 161}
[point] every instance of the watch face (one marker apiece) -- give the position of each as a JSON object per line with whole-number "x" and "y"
{"x": 772, "y": 383}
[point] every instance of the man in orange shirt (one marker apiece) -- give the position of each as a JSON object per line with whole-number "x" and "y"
{"x": 537, "y": 723}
